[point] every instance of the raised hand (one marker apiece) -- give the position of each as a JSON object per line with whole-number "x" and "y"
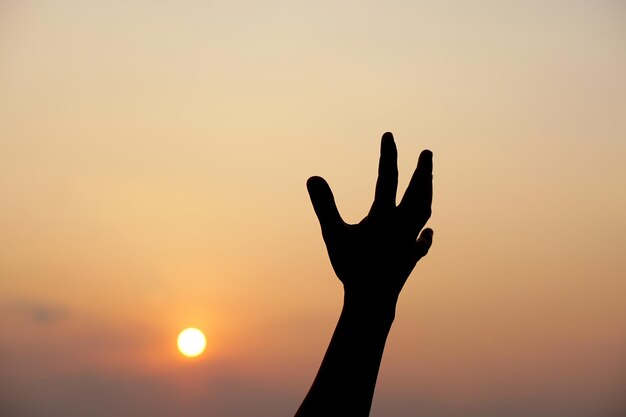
{"x": 373, "y": 259}
{"x": 376, "y": 256}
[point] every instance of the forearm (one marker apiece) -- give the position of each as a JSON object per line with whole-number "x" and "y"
{"x": 345, "y": 382}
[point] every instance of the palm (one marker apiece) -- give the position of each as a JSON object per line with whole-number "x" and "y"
{"x": 379, "y": 253}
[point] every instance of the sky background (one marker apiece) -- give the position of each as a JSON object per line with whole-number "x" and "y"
{"x": 153, "y": 160}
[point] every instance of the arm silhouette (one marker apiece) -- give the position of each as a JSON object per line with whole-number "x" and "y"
{"x": 373, "y": 260}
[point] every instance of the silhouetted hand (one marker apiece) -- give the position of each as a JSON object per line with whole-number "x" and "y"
{"x": 375, "y": 257}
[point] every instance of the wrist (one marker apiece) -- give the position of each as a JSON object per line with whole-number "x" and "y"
{"x": 369, "y": 305}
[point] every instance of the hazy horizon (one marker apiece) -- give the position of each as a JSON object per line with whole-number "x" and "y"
{"x": 153, "y": 160}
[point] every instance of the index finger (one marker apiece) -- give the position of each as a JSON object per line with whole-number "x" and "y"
{"x": 387, "y": 182}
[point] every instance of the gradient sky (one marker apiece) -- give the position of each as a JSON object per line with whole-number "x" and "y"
{"x": 153, "y": 159}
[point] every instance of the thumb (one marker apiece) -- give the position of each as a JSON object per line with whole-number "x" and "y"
{"x": 323, "y": 204}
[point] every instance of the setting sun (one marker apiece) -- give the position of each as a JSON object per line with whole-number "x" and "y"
{"x": 191, "y": 342}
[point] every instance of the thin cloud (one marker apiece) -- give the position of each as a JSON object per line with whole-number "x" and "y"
{"x": 35, "y": 312}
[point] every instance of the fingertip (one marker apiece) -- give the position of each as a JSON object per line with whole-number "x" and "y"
{"x": 323, "y": 202}
{"x": 311, "y": 181}
{"x": 387, "y": 143}
{"x": 319, "y": 191}
{"x": 425, "y": 162}
{"x": 426, "y": 155}
{"x": 315, "y": 182}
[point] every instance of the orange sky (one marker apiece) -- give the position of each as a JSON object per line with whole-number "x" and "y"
{"x": 153, "y": 159}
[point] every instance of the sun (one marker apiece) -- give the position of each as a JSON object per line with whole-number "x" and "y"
{"x": 191, "y": 342}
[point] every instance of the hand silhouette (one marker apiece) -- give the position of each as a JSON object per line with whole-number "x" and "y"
{"x": 373, "y": 260}
{"x": 376, "y": 256}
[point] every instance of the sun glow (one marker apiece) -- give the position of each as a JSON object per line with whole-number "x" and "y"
{"x": 191, "y": 342}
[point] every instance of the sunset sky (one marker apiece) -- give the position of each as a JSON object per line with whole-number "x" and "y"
{"x": 153, "y": 160}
